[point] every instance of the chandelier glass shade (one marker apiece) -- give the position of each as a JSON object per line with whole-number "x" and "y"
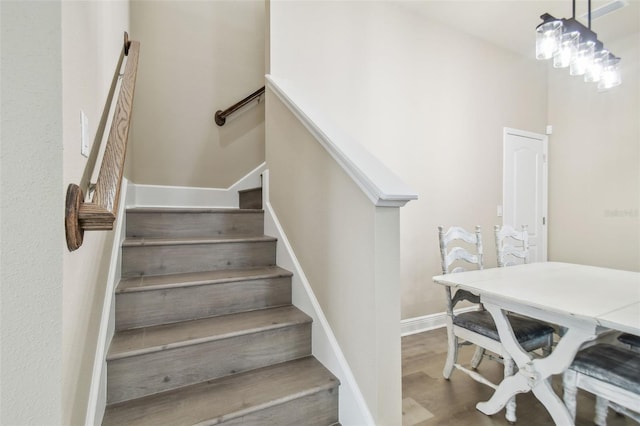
{"x": 570, "y": 44}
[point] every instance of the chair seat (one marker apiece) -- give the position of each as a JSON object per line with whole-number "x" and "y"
{"x": 481, "y": 322}
{"x": 629, "y": 339}
{"x": 611, "y": 364}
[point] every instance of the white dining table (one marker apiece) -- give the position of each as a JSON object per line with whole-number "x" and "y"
{"x": 587, "y": 300}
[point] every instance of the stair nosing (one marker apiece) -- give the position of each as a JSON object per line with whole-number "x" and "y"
{"x": 156, "y": 242}
{"x": 198, "y": 341}
{"x": 258, "y": 188}
{"x": 192, "y": 210}
{"x": 205, "y": 339}
{"x": 276, "y": 272}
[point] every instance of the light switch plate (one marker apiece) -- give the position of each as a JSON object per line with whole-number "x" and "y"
{"x": 84, "y": 134}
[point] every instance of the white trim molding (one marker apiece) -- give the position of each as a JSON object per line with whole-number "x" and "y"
{"x": 430, "y": 322}
{"x": 381, "y": 185}
{"x": 183, "y": 196}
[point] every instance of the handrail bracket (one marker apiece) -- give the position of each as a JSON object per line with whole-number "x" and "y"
{"x": 73, "y": 230}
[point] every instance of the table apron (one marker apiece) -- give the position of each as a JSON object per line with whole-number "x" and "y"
{"x": 588, "y": 325}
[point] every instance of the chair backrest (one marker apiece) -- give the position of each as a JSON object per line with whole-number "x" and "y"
{"x": 511, "y": 244}
{"x": 449, "y": 255}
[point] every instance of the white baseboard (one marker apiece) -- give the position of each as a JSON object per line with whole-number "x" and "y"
{"x": 430, "y": 322}
{"x": 353, "y": 410}
{"x": 98, "y": 389}
{"x": 183, "y": 196}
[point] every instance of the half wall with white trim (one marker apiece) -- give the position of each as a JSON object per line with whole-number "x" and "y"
{"x": 327, "y": 194}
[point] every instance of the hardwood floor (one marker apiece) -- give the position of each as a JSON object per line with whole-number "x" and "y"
{"x": 428, "y": 399}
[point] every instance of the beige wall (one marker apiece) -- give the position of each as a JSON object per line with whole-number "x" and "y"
{"x": 31, "y": 210}
{"x": 348, "y": 250}
{"x": 198, "y": 57}
{"x": 92, "y": 34}
{"x": 432, "y": 111}
{"x": 594, "y": 166}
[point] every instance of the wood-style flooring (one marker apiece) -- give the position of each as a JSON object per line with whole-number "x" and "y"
{"x": 428, "y": 399}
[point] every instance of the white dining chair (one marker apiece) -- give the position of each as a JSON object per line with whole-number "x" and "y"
{"x": 477, "y": 327}
{"x": 612, "y": 374}
{"x": 512, "y": 247}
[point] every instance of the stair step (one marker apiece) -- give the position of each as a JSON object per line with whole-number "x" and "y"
{"x": 292, "y": 393}
{"x": 156, "y": 256}
{"x": 250, "y": 198}
{"x": 167, "y": 222}
{"x": 161, "y": 299}
{"x": 149, "y": 360}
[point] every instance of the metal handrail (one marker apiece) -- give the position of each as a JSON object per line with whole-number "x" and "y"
{"x": 221, "y": 116}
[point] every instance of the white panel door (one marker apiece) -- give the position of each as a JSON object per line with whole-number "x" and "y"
{"x": 524, "y": 187}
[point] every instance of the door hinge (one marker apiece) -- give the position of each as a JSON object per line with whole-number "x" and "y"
{"x": 544, "y": 220}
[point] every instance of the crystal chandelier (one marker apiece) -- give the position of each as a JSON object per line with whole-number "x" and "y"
{"x": 570, "y": 44}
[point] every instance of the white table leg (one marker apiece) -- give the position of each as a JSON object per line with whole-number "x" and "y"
{"x": 532, "y": 373}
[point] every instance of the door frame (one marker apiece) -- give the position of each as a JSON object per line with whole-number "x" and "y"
{"x": 542, "y": 245}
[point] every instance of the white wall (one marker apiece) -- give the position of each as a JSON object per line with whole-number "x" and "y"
{"x": 198, "y": 57}
{"x": 92, "y": 37}
{"x": 31, "y": 208}
{"x": 429, "y": 101}
{"x": 594, "y": 166}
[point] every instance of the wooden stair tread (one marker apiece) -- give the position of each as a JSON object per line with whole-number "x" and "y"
{"x": 242, "y": 191}
{"x": 219, "y": 400}
{"x": 178, "y": 210}
{"x": 168, "y": 336}
{"x": 157, "y": 282}
{"x": 147, "y": 242}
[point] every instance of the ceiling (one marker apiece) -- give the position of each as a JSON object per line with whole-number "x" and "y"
{"x": 511, "y": 23}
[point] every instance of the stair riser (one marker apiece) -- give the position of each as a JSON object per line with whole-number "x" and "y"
{"x": 154, "y": 307}
{"x": 175, "y": 259}
{"x": 317, "y": 409}
{"x": 186, "y": 225}
{"x": 142, "y": 375}
{"x": 251, "y": 199}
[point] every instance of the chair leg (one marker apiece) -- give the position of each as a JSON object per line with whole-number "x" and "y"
{"x": 452, "y": 352}
{"x": 546, "y": 350}
{"x": 602, "y": 404}
{"x": 477, "y": 357}
{"x": 569, "y": 381}
{"x": 509, "y": 367}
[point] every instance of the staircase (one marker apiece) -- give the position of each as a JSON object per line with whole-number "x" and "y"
{"x": 205, "y": 330}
